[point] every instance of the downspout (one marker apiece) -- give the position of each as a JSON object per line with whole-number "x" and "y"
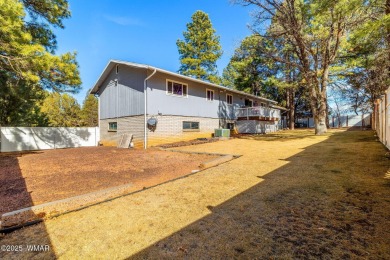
{"x": 145, "y": 106}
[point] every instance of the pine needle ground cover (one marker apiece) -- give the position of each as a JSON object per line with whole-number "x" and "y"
{"x": 37, "y": 177}
{"x": 290, "y": 195}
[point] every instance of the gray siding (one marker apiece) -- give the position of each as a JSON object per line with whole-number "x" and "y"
{"x": 126, "y": 99}
{"x": 193, "y": 105}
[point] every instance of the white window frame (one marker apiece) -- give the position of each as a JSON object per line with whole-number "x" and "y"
{"x": 191, "y": 129}
{"x": 177, "y": 82}
{"x": 227, "y": 102}
{"x": 207, "y": 89}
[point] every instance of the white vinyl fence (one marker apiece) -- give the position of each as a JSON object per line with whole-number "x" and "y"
{"x": 350, "y": 120}
{"x": 41, "y": 138}
{"x": 342, "y": 121}
{"x": 382, "y": 118}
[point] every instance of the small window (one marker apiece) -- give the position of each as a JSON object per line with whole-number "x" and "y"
{"x": 248, "y": 102}
{"x": 117, "y": 69}
{"x": 112, "y": 126}
{"x": 230, "y": 126}
{"x": 210, "y": 95}
{"x": 262, "y": 104}
{"x": 176, "y": 88}
{"x": 229, "y": 99}
{"x": 190, "y": 126}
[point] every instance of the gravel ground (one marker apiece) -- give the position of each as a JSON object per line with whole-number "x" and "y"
{"x": 33, "y": 178}
{"x": 291, "y": 195}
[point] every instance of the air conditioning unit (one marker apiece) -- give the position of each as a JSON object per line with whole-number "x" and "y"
{"x": 222, "y": 132}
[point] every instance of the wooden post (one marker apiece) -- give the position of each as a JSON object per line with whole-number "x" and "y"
{"x": 347, "y": 121}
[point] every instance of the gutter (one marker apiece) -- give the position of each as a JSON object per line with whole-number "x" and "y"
{"x": 145, "y": 106}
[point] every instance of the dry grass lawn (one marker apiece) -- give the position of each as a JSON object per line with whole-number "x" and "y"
{"x": 291, "y": 195}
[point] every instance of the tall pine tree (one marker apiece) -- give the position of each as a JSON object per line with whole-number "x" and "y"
{"x": 200, "y": 49}
{"x": 89, "y": 112}
{"x": 28, "y": 63}
{"x": 61, "y": 110}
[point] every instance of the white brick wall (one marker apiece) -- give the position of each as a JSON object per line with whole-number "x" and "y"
{"x": 169, "y": 129}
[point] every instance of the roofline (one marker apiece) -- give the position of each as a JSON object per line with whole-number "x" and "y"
{"x": 280, "y": 108}
{"x": 96, "y": 86}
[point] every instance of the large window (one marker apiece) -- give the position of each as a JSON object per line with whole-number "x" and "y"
{"x": 229, "y": 99}
{"x": 112, "y": 126}
{"x": 176, "y": 88}
{"x": 190, "y": 126}
{"x": 209, "y": 95}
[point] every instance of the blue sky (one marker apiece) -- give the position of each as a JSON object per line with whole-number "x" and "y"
{"x": 143, "y": 32}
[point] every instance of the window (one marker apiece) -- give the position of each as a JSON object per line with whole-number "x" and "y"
{"x": 229, "y": 99}
{"x": 117, "y": 69}
{"x": 176, "y": 88}
{"x": 190, "y": 126}
{"x": 112, "y": 126}
{"x": 230, "y": 126}
{"x": 248, "y": 102}
{"x": 262, "y": 104}
{"x": 209, "y": 95}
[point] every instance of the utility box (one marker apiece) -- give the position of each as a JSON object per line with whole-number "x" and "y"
{"x": 222, "y": 132}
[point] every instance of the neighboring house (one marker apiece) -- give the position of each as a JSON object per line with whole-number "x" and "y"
{"x": 185, "y": 108}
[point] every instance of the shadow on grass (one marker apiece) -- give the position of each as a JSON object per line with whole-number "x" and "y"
{"x": 328, "y": 202}
{"x": 14, "y": 195}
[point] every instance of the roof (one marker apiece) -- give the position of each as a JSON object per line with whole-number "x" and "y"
{"x": 280, "y": 108}
{"x": 112, "y": 63}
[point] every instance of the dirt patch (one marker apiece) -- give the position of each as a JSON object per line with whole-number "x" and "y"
{"x": 33, "y": 178}
{"x": 190, "y": 142}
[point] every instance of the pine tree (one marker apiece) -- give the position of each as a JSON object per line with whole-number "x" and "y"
{"x": 62, "y": 110}
{"x": 318, "y": 32}
{"x": 28, "y": 64}
{"x": 89, "y": 112}
{"x": 200, "y": 49}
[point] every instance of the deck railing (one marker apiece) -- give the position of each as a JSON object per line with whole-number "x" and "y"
{"x": 257, "y": 111}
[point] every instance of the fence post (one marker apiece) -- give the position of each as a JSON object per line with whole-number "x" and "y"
{"x": 347, "y": 120}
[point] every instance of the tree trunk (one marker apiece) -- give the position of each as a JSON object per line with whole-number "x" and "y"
{"x": 327, "y": 114}
{"x": 320, "y": 115}
{"x": 291, "y": 107}
{"x": 320, "y": 123}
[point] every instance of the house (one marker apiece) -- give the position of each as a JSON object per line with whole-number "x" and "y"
{"x": 158, "y": 106}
